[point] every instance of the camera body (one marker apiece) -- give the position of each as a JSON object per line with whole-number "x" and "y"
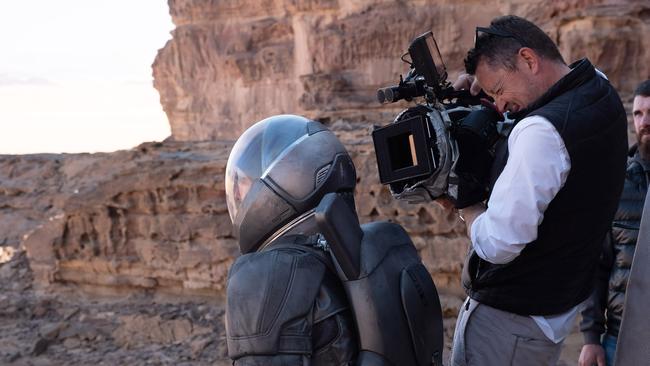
{"x": 441, "y": 146}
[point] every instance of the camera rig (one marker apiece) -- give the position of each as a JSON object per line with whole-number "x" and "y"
{"x": 426, "y": 78}
{"x": 441, "y": 146}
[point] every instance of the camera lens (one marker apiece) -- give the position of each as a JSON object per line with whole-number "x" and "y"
{"x": 387, "y": 95}
{"x": 381, "y": 97}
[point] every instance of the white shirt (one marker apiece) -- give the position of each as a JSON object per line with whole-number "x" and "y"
{"x": 537, "y": 168}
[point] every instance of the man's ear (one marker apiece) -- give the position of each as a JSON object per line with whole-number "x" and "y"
{"x": 530, "y": 59}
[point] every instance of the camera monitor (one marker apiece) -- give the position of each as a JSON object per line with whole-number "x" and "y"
{"x": 427, "y": 60}
{"x": 403, "y": 150}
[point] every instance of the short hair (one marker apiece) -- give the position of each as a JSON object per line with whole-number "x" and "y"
{"x": 512, "y": 33}
{"x": 643, "y": 89}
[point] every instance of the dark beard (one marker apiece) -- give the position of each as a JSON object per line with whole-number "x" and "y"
{"x": 644, "y": 149}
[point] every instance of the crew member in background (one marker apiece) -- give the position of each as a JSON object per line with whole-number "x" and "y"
{"x": 601, "y": 318}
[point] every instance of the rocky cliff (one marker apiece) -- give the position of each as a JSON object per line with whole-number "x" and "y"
{"x": 231, "y": 63}
{"x": 154, "y": 218}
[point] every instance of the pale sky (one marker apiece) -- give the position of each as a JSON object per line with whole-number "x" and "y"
{"x": 75, "y": 75}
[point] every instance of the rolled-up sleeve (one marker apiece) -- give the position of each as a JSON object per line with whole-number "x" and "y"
{"x": 537, "y": 167}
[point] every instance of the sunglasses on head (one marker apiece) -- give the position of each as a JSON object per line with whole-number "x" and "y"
{"x": 498, "y": 33}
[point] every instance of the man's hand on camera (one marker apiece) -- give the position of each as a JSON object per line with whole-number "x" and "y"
{"x": 467, "y": 82}
{"x": 470, "y": 213}
{"x": 467, "y": 214}
{"x": 592, "y": 354}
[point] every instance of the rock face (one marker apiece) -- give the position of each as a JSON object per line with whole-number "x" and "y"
{"x": 231, "y": 63}
{"x": 70, "y": 327}
{"x": 152, "y": 217}
{"x": 155, "y": 217}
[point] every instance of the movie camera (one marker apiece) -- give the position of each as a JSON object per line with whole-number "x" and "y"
{"x": 444, "y": 145}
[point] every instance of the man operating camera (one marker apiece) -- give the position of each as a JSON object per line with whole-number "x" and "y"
{"x": 556, "y": 183}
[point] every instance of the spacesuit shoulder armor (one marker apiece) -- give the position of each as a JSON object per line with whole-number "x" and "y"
{"x": 270, "y": 296}
{"x": 286, "y": 306}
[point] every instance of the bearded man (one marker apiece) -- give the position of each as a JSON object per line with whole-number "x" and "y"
{"x": 601, "y": 318}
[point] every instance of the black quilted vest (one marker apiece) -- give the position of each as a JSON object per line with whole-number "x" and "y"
{"x": 555, "y": 272}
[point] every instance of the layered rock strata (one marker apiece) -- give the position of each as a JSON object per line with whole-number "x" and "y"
{"x": 155, "y": 217}
{"x": 231, "y": 63}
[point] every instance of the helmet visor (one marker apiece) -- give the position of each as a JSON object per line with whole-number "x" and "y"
{"x": 256, "y": 151}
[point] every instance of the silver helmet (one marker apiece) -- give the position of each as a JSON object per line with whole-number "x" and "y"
{"x": 279, "y": 169}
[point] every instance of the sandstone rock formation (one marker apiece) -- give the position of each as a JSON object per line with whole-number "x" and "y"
{"x": 151, "y": 217}
{"x": 232, "y": 63}
{"x": 155, "y": 217}
{"x": 69, "y": 327}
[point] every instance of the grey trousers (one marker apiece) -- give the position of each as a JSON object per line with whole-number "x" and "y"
{"x": 491, "y": 337}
